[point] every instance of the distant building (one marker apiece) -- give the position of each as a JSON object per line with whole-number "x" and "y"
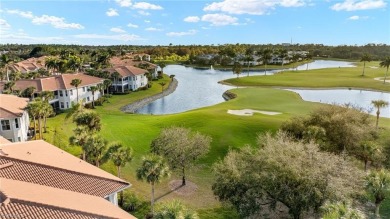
{"x": 136, "y": 60}
{"x": 29, "y": 65}
{"x": 130, "y": 78}
{"x": 39, "y": 180}
{"x": 64, "y": 93}
{"x": 14, "y": 118}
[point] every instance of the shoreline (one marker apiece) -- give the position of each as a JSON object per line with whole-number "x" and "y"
{"x": 132, "y": 107}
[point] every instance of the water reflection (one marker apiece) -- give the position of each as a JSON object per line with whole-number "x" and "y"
{"x": 199, "y": 87}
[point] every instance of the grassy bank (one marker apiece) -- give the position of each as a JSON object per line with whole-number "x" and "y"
{"x": 228, "y": 132}
{"x": 321, "y": 78}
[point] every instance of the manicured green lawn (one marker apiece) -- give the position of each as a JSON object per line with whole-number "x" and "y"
{"x": 228, "y": 132}
{"x": 321, "y": 78}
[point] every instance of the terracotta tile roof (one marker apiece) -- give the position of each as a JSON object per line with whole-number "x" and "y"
{"x": 127, "y": 70}
{"x": 12, "y": 106}
{"x": 31, "y": 64}
{"x": 44, "y": 164}
{"x": 3, "y": 140}
{"x": 28, "y": 200}
{"x": 129, "y": 60}
{"x": 53, "y": 83}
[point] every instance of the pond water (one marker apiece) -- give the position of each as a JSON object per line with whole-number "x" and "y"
{"x": 360, "y": 98}
{"x": 199, "y": 88}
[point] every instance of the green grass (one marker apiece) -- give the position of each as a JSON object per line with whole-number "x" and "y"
{"x": 320, "y": 78}
{"x": 228, "y": 132}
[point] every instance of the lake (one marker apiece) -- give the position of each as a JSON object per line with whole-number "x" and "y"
{"x": 199, "y": 88}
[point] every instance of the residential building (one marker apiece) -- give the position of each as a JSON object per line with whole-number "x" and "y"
{"x": 130, "y": 78}
{"x": 39, "y": 180}
{"x": 14, "y": 118}
{"x": 28, "y": 65}
{"x": 137, "y": 60}
{"x": 64, "y": 93}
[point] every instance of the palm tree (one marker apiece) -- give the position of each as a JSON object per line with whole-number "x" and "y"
{"x": 162, "y": 66}
{"x": 76, "y": 82}
{"x": 93, "y": 89}
{"x": 115, "y": 76}
{"x": 95, "y": 147}
{"x": 51, "y": 63}
{"x": 283, "y": 53}
{"x": 152, "y": 170}
{"x": 47, "y": 110}
{"x": 74, "y": 63}
{"x": 47, "y": 95}
{"x": 174, "y": 210}
{"x": 308, "y": 57}
{"x": 248, "y": 59}
{"x": 120, "y": 156}
{"x": 377, "y": 183}
{"x": 237, "y": 68}
{"x": 379, "y": 104}
{"x": 365, "y": 58}
{"x": 6, "y": 62}
{"x": 107, "y": 83}
{"x": 266, "y": 55}
{"x": 295, "y": 58}
{"x": 9, "y": 85}
{"x": 162, "y": 86}
{"x": 29, "y": 92}
{"x": 80, "y": 139}
{"x": 385, "y": 63}
{"x": 32, "y": 109}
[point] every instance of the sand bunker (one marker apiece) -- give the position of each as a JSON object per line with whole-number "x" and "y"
{"x": 249, "y": 112}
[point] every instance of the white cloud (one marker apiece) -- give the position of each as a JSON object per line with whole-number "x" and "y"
{"x": 192, "y": 19}
{"x": 4, "y": 24}
{"x": 355, "y": 17}
{"x": 253, "y": 7}
{"x": 146, "y": 6}
{"x": 144, "y": 13}
{"x": 124, "y": 3}
{"x": 152, "y": 29}
{"x": 132, "y": 25}
{"x": 219, "y": 19}
{"x": 25, "y": 14}
{"x": 119, "y": 37}
{"x": 354, "y": 5}
{"x": 56, "y": 22}
{"x": 112, "y": 12}
{"x": 21, "y": 37}
{"x": 146, "y": 21}
{"x": 179, "y": 34}
{"x": 117, "y": 30}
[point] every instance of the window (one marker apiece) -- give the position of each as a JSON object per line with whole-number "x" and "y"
{"x": 62, "y": 105}
{"x": 88, "y": 99}
{"x": 83, "y": 89}
{"x": 61, "y": 94}
{"x": 71, "y": 92}
{"x": 66, "y": 93}
{"x": 5, "y": 125}
{"x": 17, "y": 123}
{"x": 19, "y": 139}
{"x": 67, "y": 105}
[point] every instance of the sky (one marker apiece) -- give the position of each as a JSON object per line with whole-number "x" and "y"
{"x": 189, "y": 22}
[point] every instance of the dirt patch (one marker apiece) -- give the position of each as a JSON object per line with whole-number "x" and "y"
{"x": 187, "y": 190}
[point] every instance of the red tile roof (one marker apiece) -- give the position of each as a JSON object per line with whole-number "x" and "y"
{"x": 42, "y": 163}
{"x": 27, "y": 200}
{"x": 12, "y": 106}
{"x": 31, "y": 64}
{"x": 127, "y": 70}
{"x": 53, "y": 83}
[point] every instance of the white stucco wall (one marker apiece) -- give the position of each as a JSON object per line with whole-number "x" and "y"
{"x": 16, "y": 134}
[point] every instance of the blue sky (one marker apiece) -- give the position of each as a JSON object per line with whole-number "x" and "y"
{"x": 160, "y": 22}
